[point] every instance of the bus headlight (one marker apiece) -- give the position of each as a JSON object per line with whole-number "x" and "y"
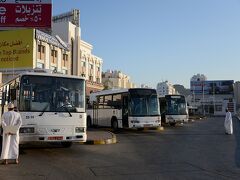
{"x": 79, "y": 129}
{"x": 26, "y": 130}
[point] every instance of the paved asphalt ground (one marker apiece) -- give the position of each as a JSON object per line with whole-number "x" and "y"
{"x": 197, "y": 150}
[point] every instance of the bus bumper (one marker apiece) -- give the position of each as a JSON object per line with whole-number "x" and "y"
{"x": 52, "y": 138}
{"x": 176, "y": 119}
{"x": 144, "y": 122}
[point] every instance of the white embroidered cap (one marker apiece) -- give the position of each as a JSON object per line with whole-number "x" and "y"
{"x": 10, "y": 105}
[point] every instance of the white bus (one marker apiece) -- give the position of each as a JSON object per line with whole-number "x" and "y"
{"x": 40, "y": 98}
{"x": 173, "y": 109}
{"x": 124, "y": 108}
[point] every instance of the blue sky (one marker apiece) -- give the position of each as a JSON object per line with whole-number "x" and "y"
{"x": 156, "y": 40}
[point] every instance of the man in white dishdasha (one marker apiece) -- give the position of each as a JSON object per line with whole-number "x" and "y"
{"x": 10, "y": 144}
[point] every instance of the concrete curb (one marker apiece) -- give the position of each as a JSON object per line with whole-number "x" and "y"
{"x": 134, "y": 129}
{"x": 160, "y": 128}
{"x": 112, "y": 140}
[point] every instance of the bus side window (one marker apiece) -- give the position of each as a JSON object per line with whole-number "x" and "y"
{"x": 117, "y": 101}
{"x": 108, "y": 101}
{"x": 88, "y": 103}
{"x": 100, "y": 102}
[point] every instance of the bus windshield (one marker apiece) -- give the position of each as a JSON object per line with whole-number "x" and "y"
{"x": 143, "y": 104}
{"x": 52, "y": 94}
{"x": 176, "y": 105}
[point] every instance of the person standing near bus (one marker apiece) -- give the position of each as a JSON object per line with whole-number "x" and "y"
{"x": 10, "y": 144}
{"x": 228, "y": 122}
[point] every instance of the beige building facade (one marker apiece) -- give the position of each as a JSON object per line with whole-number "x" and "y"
{"x": 165, "y": 88}
{"x": 62, "y": 50}
{"x": 83, "y": 62}
{"x": 116, "y": 79}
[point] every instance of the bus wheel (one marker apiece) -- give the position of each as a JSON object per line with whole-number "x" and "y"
{"x": 89, "y": 121}
{"x": 172, "y": 123}
{"x": 114, "y": 124}
{"x": 66, "y": 144}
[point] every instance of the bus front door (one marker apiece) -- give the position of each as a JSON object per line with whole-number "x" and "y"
{"x": 125, "y": 111}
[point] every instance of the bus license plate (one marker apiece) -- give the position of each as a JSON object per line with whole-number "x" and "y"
{"x": 147, "y": 125}
{"x": 55, "y": 138}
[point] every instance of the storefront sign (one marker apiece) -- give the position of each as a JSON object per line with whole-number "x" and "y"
{"x": 25, "y": 13}
{"x": 16, "y": 49}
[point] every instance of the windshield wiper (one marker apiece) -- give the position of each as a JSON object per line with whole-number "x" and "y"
{"x": 65, "y": 107}
{"x": 68, "y": 111}
{"x": 44, "y": 110}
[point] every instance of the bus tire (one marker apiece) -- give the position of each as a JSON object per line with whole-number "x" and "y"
{"x": 114, "y": 124}
{"x": 89, "y": 121}
{"x": 66, "y": 144}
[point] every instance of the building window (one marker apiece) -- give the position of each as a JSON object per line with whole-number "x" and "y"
{"x": 41, "y": 52}
{"x": 98, "y": 80}
{"x": 218, "y": 107}
{"x": 90, "y": 78}
{"x": 98, "y": 68}
{"x": 54, "y": 56}
{"x": 83, "y": 63}
{"x": 53, "y": 68}
{"x": 91, "y": 66}
{"x": 64, "y": 71}
{"x": 65, "y": 60}
{"x": 40, "y": 65}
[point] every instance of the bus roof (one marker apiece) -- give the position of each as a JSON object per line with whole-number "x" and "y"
{"x": 51, "y": 74}
{"x": 112, "y": 91}
{"x": 42, "y": 73}
{"x": 109, "y": 91}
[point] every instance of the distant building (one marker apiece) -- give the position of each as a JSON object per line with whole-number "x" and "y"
{"x": 116, "y": 79}
{"x": 212, "y": 97}
{"x": 199, "y": 77}
{"x": 144, "y": 86}
{"x": 237, "y": 93}
{"x": 182, "y": 90}
{"x": 165, "y": 88}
